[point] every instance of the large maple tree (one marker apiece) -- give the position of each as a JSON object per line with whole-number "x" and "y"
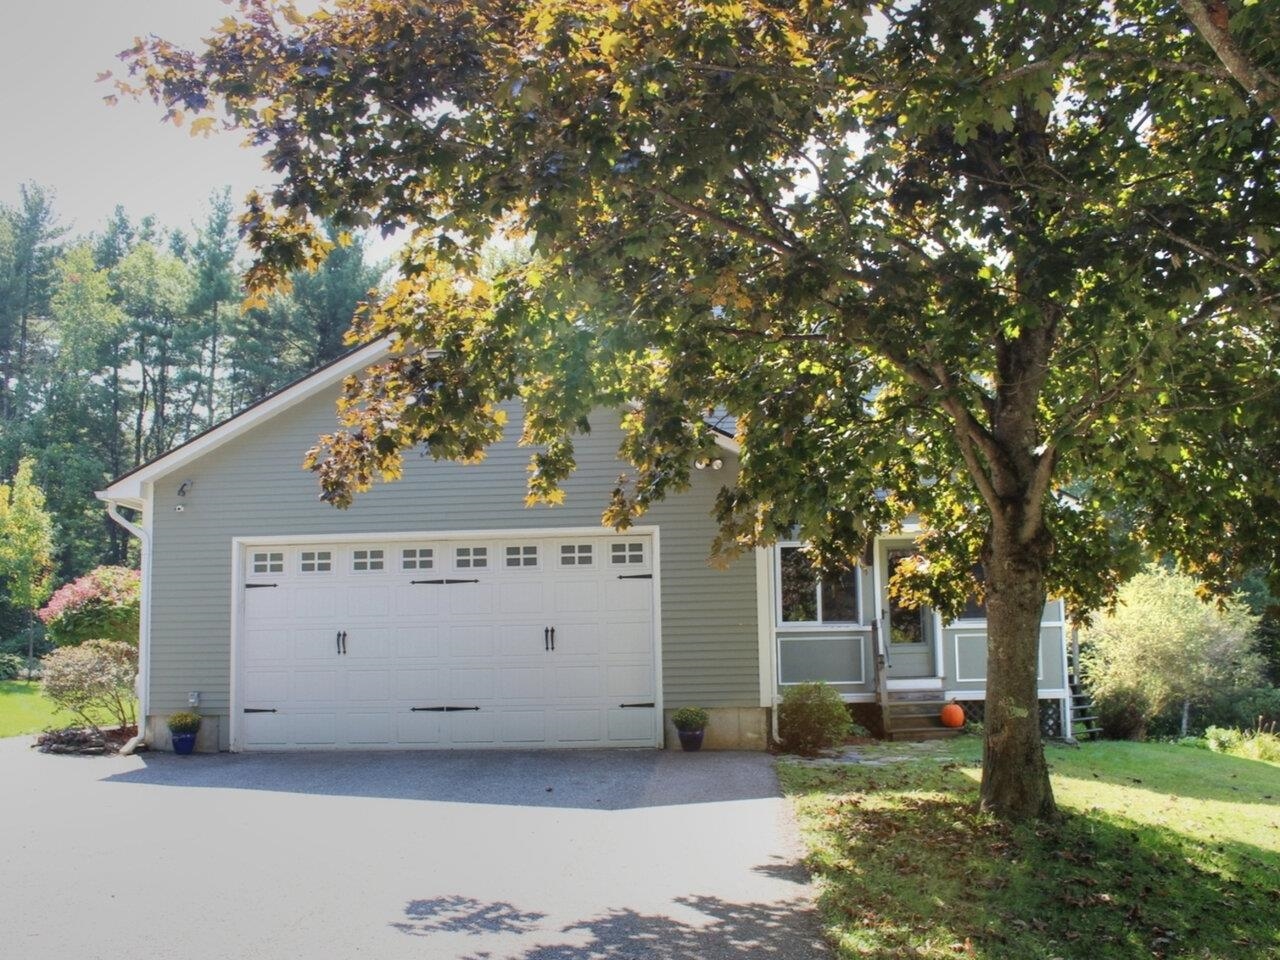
{"x": 953, "y": 259}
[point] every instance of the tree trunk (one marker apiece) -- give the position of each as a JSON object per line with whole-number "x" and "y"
{"x": 1186, "y": 717}
{"x": 1015, "y": 777}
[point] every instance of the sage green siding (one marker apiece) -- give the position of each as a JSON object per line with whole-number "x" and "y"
{"x": 254, "y": 486}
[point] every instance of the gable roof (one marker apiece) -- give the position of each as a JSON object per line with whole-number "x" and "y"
{"x": 127, "y": 489}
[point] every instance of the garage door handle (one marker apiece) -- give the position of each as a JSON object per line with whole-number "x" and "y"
{"x": 635, "y": 576}
{"x": 337, "y": 639}
{"x": 553, "y": 639}
{"x": 344, "y": 643}
{"x": 625, "y": 706}
{"x": 259, "y": 586}
{"x": 443, "y": 581}
{"x": 259, "y": 709}
{"x": 546, "y": 638}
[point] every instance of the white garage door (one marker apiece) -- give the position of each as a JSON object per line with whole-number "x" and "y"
{"x": 520, "y": 642}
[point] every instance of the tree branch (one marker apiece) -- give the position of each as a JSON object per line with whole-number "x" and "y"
{"x": 1210, "y": 18}
{"x": 727, "y": 223}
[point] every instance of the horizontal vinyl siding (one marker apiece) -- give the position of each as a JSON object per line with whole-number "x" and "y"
{"x": 255, "y": 486}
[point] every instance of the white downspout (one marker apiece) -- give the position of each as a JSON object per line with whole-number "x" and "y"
{"x": 143, "y": 686}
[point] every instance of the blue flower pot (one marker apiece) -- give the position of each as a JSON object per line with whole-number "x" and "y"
{"x": 691, "y": 739}
{"x": 183, "y": 743}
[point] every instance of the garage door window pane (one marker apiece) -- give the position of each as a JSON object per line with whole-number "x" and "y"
{"x": 268, "y": 563}
{"x": 316, "y": 561}
{"x": 524, "y": 555}
{"x": 471, "y": 558}
{"x": 575, "y": 554}
{"x": 627, "y": 553}
{"x": 417, "y": 558}
{"x": 366, "y": 560}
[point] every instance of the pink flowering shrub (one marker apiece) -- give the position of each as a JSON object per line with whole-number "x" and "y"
{"x": 104, "y": 604}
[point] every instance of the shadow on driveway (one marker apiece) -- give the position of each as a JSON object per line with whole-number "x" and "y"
{"x": 578, "y": 779}
{"x": 733, "y": 931}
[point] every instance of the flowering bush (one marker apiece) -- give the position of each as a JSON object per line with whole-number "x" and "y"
{"x": 104, "y": 604}
{"x": 97, "y": 674}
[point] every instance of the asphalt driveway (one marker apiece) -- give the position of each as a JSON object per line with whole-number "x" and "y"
{"x": 481, "y": 855}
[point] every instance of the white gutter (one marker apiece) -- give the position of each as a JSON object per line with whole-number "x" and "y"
{"x": 143, "y": 685}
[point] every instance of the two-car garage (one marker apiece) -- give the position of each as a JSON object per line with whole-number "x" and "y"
{"x": 436, "y": 641}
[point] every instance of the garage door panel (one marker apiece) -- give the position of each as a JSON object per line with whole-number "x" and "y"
{"x": 577, "y": 726}
{"x": 365, "y": 602}
{"x": 263, "y": 604}
{"x": 419, "y": 600}
{"x": 480, "y": 648}
{"x": 576, "y": 683}
{"x": 418, "y": 728}
{"x": 522, "y": 683}
{"x": 522, "y": 597}
{"x": 314, "y": 602}
{"x": 470, "y": 726}
{"x": 632, "y": 724}
{"x": 266, "y": 730}
{"x": 315, "y": 686}
{"x": 314, "y": 729}
{"x": 633, "y": 681}
{"x": 369, "y": 685}
{"x": 575, "y": 637}
{"x": 367, "y": 643}
{"x": 262, "y": 688}
{"x": 467, "y": 686}
{"x": 417, "y": 643}
{"x": 634, "y": 596}
{"x": 420, "y": 688}
{"x": 576, "y": 595}
{"x": 314, "y": 644}
{"x": 267, "y": 646}
{"x": 523, "y": 726}
{"x": 470, "y": 599}
{"x": 469, "y": 640}
{"x": 366, "y": 728}
{"x": 521, "y": 640}
{"x": 628, "y": 639}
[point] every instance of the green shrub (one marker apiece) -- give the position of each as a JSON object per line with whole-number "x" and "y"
{"x": 12, "y": 665}
{"x": 858, "y": 730}
{"x": 104, "y": 604}
{"x": 1163, "y": 646}
{"x": 1259, "y": 745}
{"x": 97, "y": 674}
{"x": 812, "y": 717}
{"x": 1122, "y": 715}
{"x": 688, "y": 719}
{"x": 1222, "y": 739}
{"x": 184, "y": 721}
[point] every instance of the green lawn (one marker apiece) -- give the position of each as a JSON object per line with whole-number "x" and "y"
{"x": 23, "y": 710}
{"x": 1164, "y": 851}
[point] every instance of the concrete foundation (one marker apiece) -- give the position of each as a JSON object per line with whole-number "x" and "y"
{"x": 730, "y": 728}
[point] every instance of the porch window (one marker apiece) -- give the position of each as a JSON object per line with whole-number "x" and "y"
{"x": 803, "y": 598}
{"x": 973, "y": 608}
{"x": 906, "y": 624}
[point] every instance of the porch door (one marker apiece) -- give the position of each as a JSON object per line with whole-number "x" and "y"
{"x": 908, "y": 632}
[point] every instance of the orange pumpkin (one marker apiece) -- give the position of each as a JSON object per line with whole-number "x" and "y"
{"x": 952, "y": 715}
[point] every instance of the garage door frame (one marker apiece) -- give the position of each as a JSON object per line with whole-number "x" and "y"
{"x": 240, "y": 547}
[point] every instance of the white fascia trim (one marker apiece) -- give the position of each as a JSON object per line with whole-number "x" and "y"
{"x": 399, "y": 535}
{"x": 1041, "y": 694}
{"x": 128, "y": 490}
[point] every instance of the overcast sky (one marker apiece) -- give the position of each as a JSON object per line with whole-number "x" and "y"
{"x": 55, "y": 129}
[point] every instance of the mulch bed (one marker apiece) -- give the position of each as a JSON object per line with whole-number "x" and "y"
{"x": 85, "y": 742}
